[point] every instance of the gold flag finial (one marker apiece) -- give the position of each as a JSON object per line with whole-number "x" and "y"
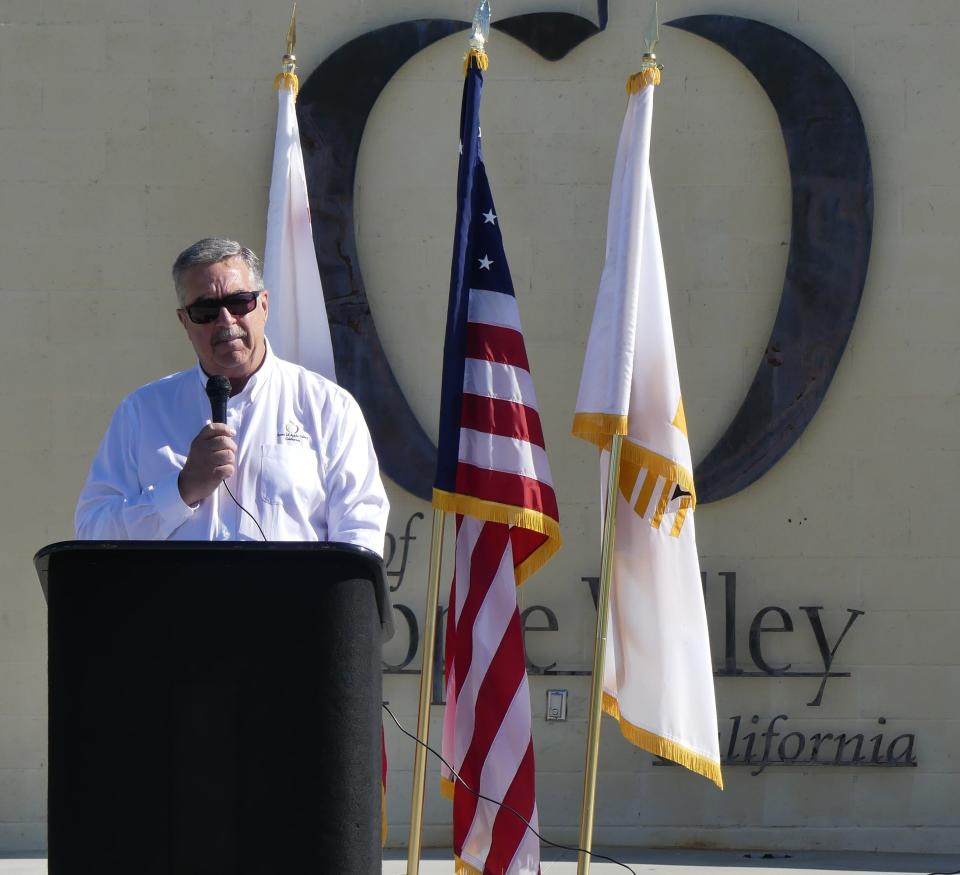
{"x": 287, "y": 77}
{"x": 479, "y": 37}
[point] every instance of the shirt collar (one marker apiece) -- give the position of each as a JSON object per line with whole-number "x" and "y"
{"x": 255, "y": 384}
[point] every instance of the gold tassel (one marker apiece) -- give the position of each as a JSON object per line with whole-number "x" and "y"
{"x": 482, "y": 61}
{"x": 638, "y": 81}
{"x": 288, "y": 81}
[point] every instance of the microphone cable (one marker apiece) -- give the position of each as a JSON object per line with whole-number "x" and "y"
{"x": 247, "y": 512}
{"x": 503, "y": 805}
{"x": 219, "y": 391}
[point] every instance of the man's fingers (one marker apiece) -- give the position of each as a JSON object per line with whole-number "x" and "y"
{"x": 212, "y": 429}
{"x": 211, "y": 460}
{"x": 221, "y": 443}
{"x": 212, "y": 443}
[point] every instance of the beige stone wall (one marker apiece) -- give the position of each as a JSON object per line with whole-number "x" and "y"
{"x": 129, "y": 129}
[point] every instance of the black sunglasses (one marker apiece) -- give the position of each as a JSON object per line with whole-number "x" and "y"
{"x": 204, "y": 311}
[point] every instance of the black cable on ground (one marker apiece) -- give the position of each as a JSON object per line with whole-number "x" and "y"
{"x": 509, "y": 808}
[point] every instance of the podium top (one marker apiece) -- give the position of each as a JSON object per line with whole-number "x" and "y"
{"x": 368, "y": 564}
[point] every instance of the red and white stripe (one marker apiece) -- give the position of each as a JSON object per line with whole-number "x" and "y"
{"x": 487, "y": 734}
{"x": 487, "y": 723}
{"x": 502, "y": 457}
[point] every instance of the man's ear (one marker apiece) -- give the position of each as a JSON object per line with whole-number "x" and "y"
{"x": 182, "y": 316}
{"x": 265, "y": 297}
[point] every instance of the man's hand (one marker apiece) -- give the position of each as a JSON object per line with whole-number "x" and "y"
{"x": 211, "y": 460}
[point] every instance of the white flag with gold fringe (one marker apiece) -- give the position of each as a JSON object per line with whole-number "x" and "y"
{"x": 298, "y": 328}
{"x": 658, "y": 677}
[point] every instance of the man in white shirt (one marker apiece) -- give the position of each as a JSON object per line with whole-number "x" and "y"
{"x": 295, "y": 450}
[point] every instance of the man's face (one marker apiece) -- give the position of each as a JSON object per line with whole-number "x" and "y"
{"x": 232, "y": 346}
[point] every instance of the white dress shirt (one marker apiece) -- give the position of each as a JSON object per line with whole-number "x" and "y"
{"x": 305, "y": 469}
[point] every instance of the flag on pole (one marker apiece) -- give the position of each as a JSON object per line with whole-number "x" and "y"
{"x": 658, "y": 677}
{"x": 492, "y": 472}
{"x": 298, "y": 327}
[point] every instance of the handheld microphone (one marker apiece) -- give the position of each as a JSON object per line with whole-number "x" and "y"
{"x": 218, "y": 391}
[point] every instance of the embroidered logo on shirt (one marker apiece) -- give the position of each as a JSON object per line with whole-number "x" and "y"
{"x": 294, "y": 433}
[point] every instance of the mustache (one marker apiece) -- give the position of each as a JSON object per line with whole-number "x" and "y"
{"x": 231, "y": 333}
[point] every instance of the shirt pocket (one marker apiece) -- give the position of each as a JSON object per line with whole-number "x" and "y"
{"x": 290, "y": 476}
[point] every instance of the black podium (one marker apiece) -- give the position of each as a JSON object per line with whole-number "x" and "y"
{"x": 214, "y": 707}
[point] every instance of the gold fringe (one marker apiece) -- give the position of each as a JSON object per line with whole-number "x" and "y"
{"x": 510, "y": 515}
{"x": 664, "y": 747}
{"x": 481, "y": 57}
{"x": 638, "y": 81}
{"x": 446, "y": 788}
{"x": 535, "y": 561}
{"x": 598, "y": 428}
{"x": 665, "y": 467}
{"x": 288, "y": 81}
{"x": 461, "y": 867}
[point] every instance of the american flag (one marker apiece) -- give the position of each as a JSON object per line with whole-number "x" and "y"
{"x": 492, "y": 472}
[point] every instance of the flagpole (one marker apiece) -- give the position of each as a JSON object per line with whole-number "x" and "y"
{"x": 426, "y": 685}
{"x": 649, "y": 73}
{"x": 600, "y": 646}
{"x": 481, "y": 32}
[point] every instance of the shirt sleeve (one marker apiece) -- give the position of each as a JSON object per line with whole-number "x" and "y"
{"x": 114, "y": 504}
{"x": 357, "y": 503}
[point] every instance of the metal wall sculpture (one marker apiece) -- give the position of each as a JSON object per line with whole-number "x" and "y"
{"x": 832, "y": 228}
{"x": 829, "y": 250}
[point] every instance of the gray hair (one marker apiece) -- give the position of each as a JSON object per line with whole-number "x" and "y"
{"x": 212, "y": 250}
